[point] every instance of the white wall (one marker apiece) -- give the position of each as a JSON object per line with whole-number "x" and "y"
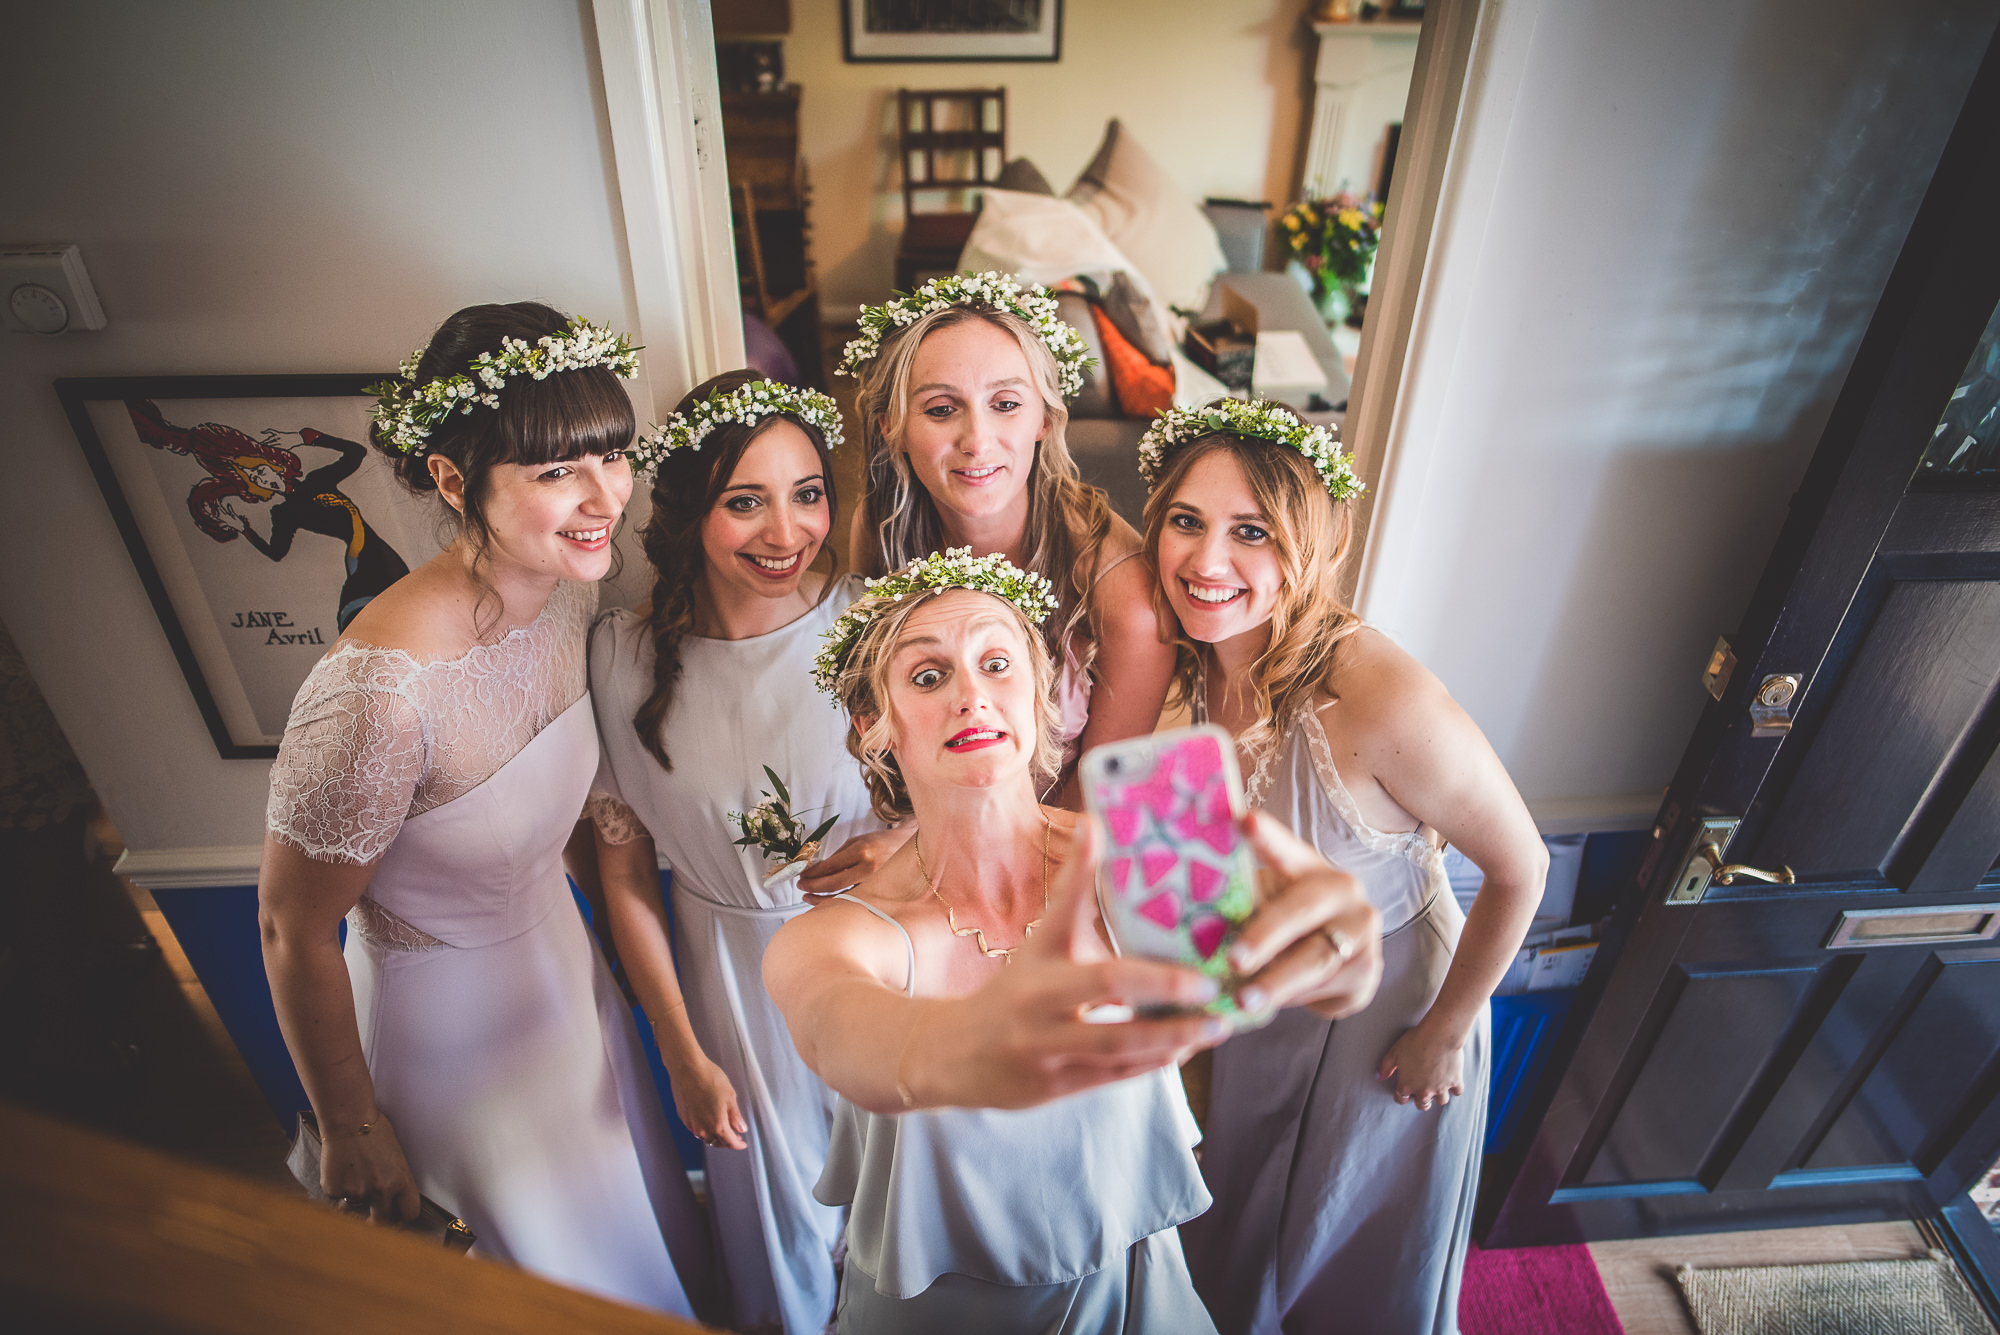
{"x": 1664, "y": 231}
{"x": 261, "y": 188}
{"x": 1219, "y": 93}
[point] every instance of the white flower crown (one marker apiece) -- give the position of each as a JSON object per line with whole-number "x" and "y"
{"x": 408, "y": 412}
{"x": 1258, "y": 419}
{"x": 1036, "y": 305}
{"x": 953, "y": 568}
{"x": 745, "y": 404}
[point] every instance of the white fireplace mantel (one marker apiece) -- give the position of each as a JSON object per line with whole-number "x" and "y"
{"x": 1361, "y": 84}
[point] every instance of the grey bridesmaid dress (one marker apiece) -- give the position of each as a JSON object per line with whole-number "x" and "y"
{"x": 1057, "y": 1219}
{"x": 1337, "y": 1208}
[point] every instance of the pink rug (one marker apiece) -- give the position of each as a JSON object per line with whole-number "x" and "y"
{"x": 1535, "y": 1291}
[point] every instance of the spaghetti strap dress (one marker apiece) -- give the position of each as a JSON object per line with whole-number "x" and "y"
{"x": 1337, "y": 1208}
{"x": 1057, "y": 1219}
{"x": 740, "y": 705}
{"x": 499, "y": 1046}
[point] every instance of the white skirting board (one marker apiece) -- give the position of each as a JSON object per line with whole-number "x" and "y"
{"x": 191, "y": 868}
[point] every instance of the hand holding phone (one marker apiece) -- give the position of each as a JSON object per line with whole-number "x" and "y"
{"x": 1177, "y": 876}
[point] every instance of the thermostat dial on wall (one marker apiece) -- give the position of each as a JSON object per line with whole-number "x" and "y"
{"x": 39, "y": 310}
{"x": 46, "y": 289}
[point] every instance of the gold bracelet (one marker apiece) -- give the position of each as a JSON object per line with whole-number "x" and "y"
{"x": 903, "y": 1090}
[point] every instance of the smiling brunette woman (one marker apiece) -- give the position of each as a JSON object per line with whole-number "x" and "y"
{"x": 472, "y": 1045}
{"x": 962, "y": 404}
{"x": 954, "y": 984}
{"x": 693, "y": 702}
{"x": 1335, "y": 1208}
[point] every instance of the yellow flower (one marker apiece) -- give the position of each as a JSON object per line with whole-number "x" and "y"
{"x": 1291, "y": 222}
{"x": 1352, "y": 218}
{"x": 1310, "y": 216}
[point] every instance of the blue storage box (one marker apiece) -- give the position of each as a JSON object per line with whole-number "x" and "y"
{"x": 1524, "y": 1033}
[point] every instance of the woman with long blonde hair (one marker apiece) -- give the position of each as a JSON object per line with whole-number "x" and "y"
{"x": 1343, "y": 1158}
{"x": 963, "y": 388}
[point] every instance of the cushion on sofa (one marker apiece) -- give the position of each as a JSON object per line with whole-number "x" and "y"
{"x": 1143, "y": 389}
{"x": 1139, "y": 208}
{"x": 1043, "y": 239}
{"x": 1096, "y": 398}
{"x": 1025, "y": 177}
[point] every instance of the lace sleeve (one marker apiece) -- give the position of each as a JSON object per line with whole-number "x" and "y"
{"x": 348, "y": 768}
{"x": 615, "y": 821}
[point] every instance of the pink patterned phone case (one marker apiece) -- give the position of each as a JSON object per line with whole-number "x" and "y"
{"x": 1176, "y": 877}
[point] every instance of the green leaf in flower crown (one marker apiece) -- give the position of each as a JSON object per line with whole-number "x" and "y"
{"x": 779, "y": 784}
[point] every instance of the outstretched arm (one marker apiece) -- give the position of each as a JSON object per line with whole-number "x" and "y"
{"x": 836, "y": 973}
{"x": 352, "y": 455}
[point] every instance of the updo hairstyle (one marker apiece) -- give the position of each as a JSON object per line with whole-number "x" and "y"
{"x": 686, "y": 488}
{"x": 863, "y": 691}
{"x": 563, "y": 416}
{"x": 1311, "y": 533}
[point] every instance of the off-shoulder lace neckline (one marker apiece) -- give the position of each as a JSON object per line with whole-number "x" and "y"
{"x": 345, "y": 645}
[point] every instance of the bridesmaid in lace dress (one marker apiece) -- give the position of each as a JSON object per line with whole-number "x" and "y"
{"x": 963, "y": 387}
{"x": 1344, "y": 1158}
{"x": 471, "y": 1046}
{"x": 693, "y": 701}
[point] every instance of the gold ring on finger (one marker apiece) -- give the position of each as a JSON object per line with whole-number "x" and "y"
{"x": 1342, "y": 943}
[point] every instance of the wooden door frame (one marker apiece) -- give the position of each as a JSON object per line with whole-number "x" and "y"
{"x": 1429, "y": 180}
{"x": 1939, "y": 297}
{"x": 664, "y": 107}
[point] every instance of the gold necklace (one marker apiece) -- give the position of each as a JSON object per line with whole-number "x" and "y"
{"x": 1002, "y": 953}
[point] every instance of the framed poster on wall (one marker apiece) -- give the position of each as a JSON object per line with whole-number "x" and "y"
{"x": 260, "y": 522}
{"x": 947, "y": 30}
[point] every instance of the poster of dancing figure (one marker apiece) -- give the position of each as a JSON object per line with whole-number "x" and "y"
{"x": 260, "y": 522}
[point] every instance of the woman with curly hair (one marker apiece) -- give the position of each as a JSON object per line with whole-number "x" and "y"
{"x": 1014, "y": 1158}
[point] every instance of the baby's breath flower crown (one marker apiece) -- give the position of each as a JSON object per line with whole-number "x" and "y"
{"x": 953, "y": 568}
{"x": 746, "y": 404}
{"x": 408, "y": 412}
{"x": 1259, "y": 420}
{"x": 1036, "y": 305}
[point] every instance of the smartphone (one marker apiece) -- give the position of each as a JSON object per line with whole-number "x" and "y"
{"x": 1177, "y": 878}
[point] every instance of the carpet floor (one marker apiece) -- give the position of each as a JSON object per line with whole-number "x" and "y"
{"x": 1535, "y": 1291}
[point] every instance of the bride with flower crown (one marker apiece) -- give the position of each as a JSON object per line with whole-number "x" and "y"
{"x": 471, "y": 1046}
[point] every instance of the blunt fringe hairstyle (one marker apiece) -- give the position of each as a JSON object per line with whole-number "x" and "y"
{"x": 563, "y": 417}
{"x": 1068, "y": 519}
{"x": 1312, "y": 533}
{"x": 685, "y": 489}
{"x": 863, "y": 691}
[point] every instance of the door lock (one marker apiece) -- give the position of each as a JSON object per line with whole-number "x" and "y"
{"x": 1771, "y": 706}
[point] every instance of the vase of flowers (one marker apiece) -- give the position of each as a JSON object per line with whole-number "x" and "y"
{"x": 771, "y": 826}
{"x": 1334, "y": 241}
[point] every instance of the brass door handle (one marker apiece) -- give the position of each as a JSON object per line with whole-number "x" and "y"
{"x": 1728, "y": 872}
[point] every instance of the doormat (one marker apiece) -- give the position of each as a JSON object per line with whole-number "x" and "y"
{"x": 1919, "y": 1297}
{"x": 1534, "y": 1291}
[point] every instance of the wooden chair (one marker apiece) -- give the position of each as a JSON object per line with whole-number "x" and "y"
{"x": 949, "y": 142}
